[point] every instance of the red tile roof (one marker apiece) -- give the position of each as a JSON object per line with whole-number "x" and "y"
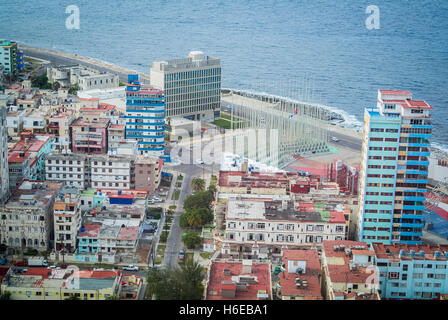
{"x": 90, "y": 230}
{"x": 15, "y": 157}
{"x": 217, "y": 276}
{"x": 395, "y": 92}
{"x": 313, "y": 270}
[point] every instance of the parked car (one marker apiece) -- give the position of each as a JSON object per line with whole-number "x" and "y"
{"x": 200, "y": 161}
{"x": 51, "y": 267}
{"x": 130, "y": 268}
{"x": 20, "y": 263}
{"x": 181, "y": 256}
{"x": 334, "y": 139}
{"x": 3, "y": 261}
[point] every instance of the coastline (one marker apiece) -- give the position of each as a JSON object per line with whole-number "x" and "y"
{"x": 58, "y": 57}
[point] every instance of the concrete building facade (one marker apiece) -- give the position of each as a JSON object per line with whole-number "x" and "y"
{"x": 145, "y": 114}
{"x": 394, "y": 169}
{"x": 192, "y": 85}
{"x": 4, "y": 169}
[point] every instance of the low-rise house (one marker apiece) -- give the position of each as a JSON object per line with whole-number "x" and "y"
{"x": 349, "y": 271}
{"x": 238, "y": 280}
{"x": 51, "y": 284}
{"x": 301, "y": 278}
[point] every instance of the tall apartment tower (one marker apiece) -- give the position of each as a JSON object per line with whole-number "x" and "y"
{"x": 394, "y": 169}
{"x": 145, "y": 117}
{"x": 192, "y": 85}
{"x": 8, "y": 57}
{"x": 4, "y": 169}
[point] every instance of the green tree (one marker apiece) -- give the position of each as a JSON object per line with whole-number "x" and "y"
{"x": 194, "y": 220}
{"x": 201, "y": 199}
{"x": 73, "y": 89}
{"x": 191, "y": 277}
{"x": 56, "y": 85}
{"x": 73, "y": 297}
{"x": 182, "y": 283}
{"x": 198, "y": 184}
{"x": 191, "y": 240}
{"x": 5, "y": 295}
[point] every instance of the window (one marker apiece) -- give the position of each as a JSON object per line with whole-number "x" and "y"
{"x": 393, "y": 275}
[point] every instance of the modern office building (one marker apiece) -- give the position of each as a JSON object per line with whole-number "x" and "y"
{"x": 8, "y": 57}
{"x": 145, "y": 117}
{"x": 192, "y": 85}
{"x": 4, "y": 170}
{"x": 394, "y": 169}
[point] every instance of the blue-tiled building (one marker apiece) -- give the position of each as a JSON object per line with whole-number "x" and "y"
{"x": 394, "y": 169}
{"x": 145, "y": 117}
{"x": 411, "y": 271}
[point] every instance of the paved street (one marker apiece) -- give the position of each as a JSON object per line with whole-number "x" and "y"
{"x": 174, "y": 242}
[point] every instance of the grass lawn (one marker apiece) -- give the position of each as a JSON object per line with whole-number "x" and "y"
{"x": 178, "y": 184}
{"x": 175, "y": 195}
{"x": 172, "y": 207}
{"x": 180, "y": 177}
{"x": 205, "y": 255}
{"x": 160, "y": 254}
{"x": 222, "y": 123}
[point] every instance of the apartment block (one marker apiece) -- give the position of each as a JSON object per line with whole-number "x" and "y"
{"x": 255, "y": 227}
{"x": 348, "y": 271}
{"x": 108, "y": 172}
{"x": 37, "y": 145}
{"x": 104, "y": 171}
{"x": 72, "y": 169}
{"x": 4, "y": 169}
{"x": 394, "y": 169}
{"x": 145, "y": 117}
{"x": 89, "y": 137}
{"x": 27, "y": 217}
{"x": 19, "y": 164}
{"x": 67, "y": 219}
{"x": 59, "y": 122}
{"x": 411, "y": 271}
{"x": 192, "y": 85}
{"x": 8, "y": 57}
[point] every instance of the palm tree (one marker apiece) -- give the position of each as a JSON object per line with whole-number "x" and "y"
{"x": 191, "y": 276}
{"x": 198, "y": 184}
{"x": 194, "y": 220}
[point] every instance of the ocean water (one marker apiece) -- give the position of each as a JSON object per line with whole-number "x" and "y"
{"x": 319, "y": 51}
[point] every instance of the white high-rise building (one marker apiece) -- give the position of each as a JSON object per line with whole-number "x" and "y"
{"x": 192, "y": 85}
{"x": 4, "y": 170}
